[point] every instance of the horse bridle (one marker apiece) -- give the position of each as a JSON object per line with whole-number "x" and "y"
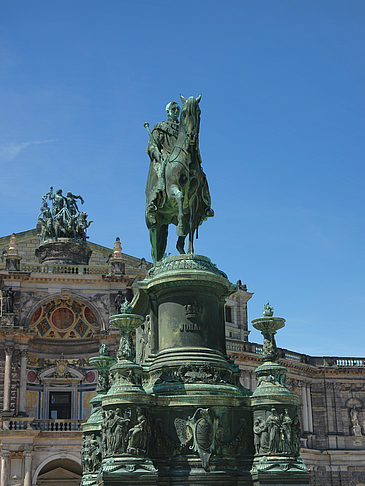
{"x": 192, "y": 141}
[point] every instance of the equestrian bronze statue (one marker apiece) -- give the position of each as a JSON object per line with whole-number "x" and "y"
{"x": 177, "y": 190}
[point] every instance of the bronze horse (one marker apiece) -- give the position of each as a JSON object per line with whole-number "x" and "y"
{"x": 185, "y": 200}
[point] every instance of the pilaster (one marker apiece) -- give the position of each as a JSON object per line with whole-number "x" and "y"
{"x": 4, "y": 475}
{"x": 22, "y": 381}
{"x": 28, "y": 469}
{"x": 7, "y": 377}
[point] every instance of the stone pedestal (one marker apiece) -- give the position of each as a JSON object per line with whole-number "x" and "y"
{"x": 64, "y": 251}
{"x": 177, "y": 414}
{"x": 183, "y": 417}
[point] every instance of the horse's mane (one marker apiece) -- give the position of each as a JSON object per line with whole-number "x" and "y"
{"x": 191, "y": 109}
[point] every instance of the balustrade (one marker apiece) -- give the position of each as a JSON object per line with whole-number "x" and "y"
{"x": 57, "y": 425}
{"x": 66, "y": 269}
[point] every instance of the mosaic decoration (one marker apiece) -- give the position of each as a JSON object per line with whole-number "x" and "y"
{"x": 32, "y": 376}
{"x": 43, "y": 327}
{"x": 90, "y": 377}
{"x": 81, "y": 327}
{"x": 64, "y": 318}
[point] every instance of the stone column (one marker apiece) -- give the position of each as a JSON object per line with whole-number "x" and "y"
{"x": 27, "y": 469}
{"x": 309, "y": 405}
{"x": 23, "y": 382}
{"x": 305, "y": 408}
{"x": 246, "y": 380}
{"x": 4, "y": 468}
{"x": 7, "y": 378}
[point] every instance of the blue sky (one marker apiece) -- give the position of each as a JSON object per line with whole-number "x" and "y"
{"x": 282, "y": 138}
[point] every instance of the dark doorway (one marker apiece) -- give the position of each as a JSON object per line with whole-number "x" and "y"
{"x": 60, "y": 405}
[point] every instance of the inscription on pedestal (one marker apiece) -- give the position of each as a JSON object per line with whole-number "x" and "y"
{"x": 189, "y": 327}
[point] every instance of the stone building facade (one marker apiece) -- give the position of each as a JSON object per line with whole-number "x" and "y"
{"x": 55, "y": 316}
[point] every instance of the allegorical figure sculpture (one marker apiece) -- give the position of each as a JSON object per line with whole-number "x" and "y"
{"x": 8, "y": 301}
{"x": 273, "y": 426}
{"x": 119, "y": 431}
{"x": 177, "y": 190}
{"x": 64, "y": 220}
{"x": 138, "y": 437}
{"x": 286, "y": 432}
{"x": 90, "y": 453}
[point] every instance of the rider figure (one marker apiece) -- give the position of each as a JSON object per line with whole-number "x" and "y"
{"x": 162, "y": 142}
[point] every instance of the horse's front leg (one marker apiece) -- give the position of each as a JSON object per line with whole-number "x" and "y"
{"x": 191, "y": 241}
{"x": 180, "y": 245}
{"x": 179, "y": 198}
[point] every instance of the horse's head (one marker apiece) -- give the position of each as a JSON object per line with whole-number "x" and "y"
{"x": 190, "y": 117}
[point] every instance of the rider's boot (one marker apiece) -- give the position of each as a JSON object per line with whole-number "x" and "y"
{"x": 180, "y": 230}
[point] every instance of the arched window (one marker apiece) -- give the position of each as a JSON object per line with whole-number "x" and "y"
{"x": 64, "y": 318}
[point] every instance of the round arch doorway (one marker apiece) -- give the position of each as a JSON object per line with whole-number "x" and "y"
{"x": 60, "y": 472}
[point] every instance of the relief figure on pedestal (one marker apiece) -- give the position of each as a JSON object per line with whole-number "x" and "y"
{"x": 261, "y": 436}
{"x": 91, "y": 453}
{"x": 138, "y": 437}
{"x": 295, "y": 436}
{"x": 120, "y": 431}
{"x": 273, "y": 426}
{"x": 286, "y": 432}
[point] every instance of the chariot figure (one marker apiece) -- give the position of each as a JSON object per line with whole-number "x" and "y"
{"x": 58, "y": 199}
{"x": 71, "y": 203}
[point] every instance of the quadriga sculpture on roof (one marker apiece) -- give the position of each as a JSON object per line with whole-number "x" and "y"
{"x": 65, "y": 220}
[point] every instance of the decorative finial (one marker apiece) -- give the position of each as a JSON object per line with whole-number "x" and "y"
{"x": 268, "y": 310}
{"x": 117, "y": 250}
{"x": 103, "y": 351}
{"x": 12, "y": 250}
{"x": 126, "y": 307}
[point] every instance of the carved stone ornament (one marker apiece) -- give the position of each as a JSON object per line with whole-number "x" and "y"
{"x": 116, "y": 424}
{"x": 125, "y": 432}
{"x": 193, "y": 310}
{"x": 203, "y": 374}
{"x": 91, "y": 453}
{"x": 200, "y": 429}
